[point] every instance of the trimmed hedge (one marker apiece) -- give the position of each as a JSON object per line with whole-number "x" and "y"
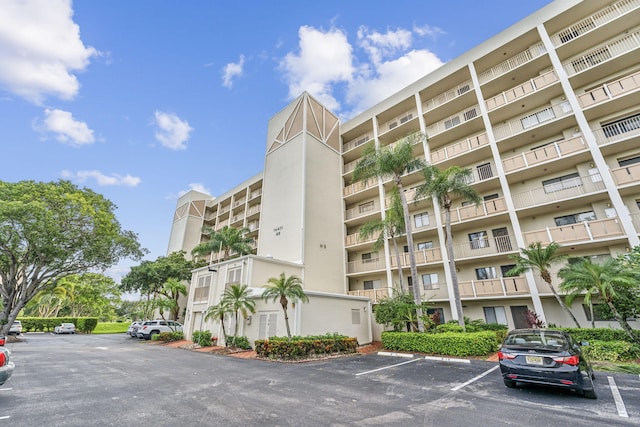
{"x": 168, "y": 336}
{"x": 599, "y": 334}
{"x": 202, "y": 338}
{"x": 446, "y": 343}
{"x": 304, "y": 348}
{"x": 611, "y": 351}
{"x": 47, "y": 324}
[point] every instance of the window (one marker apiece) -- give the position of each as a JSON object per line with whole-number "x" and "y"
{"x": 575, "y": 218}
{"x": 421, "y": 219}
{"x": 479, "y": 240}
{"x": 620, "y": 126}
{"x": 369, "y": 257}
{"x": 599, "y": 312}
{"x": 485, "y": 273}
{"x": 355, "y": 316}
{"x": 470, "y": 114}
{"x": 539, "y": 117}
{"x": 630, "y": 161}
{"x": 561, "y": 183}
{"x": 425, "y": 245}
{"x": 437, "y": 314}
{"x": 366, "y": 207}
{"x": 505, "y": 268}
{"x": 463, "y": 89}
{"x": 430, "y": 281}
{"x": 454, "y": 121}
{"x": 490, "y": 197}
{"x": 406, "y": 118}
{"x": 495, "y": 315}
{"x": 234, "y": 275}
{"x": 372, "y": 284}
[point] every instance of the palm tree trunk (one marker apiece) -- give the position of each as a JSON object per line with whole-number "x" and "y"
{"x": 623, "y": 323}
{"x": 395, "y": 248}
{"x": 412, "y": 256}
{"x": 224, "y": 331}
{"x": 562, "y": 304}
{"x": 286, "y": 322}
{"x": 593, "y": 320}
{"x": 452, "y": 266}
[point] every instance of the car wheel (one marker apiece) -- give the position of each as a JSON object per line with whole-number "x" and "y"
{"x": 590, "y": 394}
{"x": 152, "y": 333}
{"x": 510, "y": 383}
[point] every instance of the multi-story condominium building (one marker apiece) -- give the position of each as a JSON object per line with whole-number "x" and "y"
{"x": 547, "y": 116}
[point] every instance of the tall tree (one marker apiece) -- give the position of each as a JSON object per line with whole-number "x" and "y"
{"x": 588, "y": 278}
{"x": 238, "y": 298}
{"x": 283, "y": 289}
{"x": 90, "y": 295}
{"x": 540, "y": 258}
{"x": 172, "y": 289}
{"x": 392, "y": 226}
{"x": 219, "y": 312}
{"x": 49, "y": 231}
{"x": 227, "y": 240}
{"x": 394, "y": 162}
{"x": 443, "y": 186}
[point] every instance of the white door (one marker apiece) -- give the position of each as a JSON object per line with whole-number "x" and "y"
{"x": 268, "y": 324}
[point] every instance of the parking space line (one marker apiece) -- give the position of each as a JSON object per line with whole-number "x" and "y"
{"x": 448, "y": 359}
{"x": 5, "y": 389}
{"x": 6, "y": 417}
{"x": 387, "y": 353}
{"x": 456, "y": 388}
{"x": 387, "y": 367}
{"x": 617, "y": 398}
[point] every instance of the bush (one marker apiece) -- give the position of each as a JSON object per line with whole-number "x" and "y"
{"x": 599, "y": 334}
{"x": 168, "y": 336}
{"x": 611, "y": 351}
{"x": 46, "y": 324}
{"x": 202, "y": 338}
{"x": 240, "y": 342}
{"x": 305, "y": 347}
{"x": 444, "y": 343}
{"x": 448, "y": 327}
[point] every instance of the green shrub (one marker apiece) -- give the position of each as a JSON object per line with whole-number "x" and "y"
{"x": 611, "y": 351}
{"x": 444, "y": 343}
{"x": 599, "y": 334}
{"x": 202, "y": 338}
{"x": 305, "y": 347}
{"x": 448, "y": 327}
{"x": 240, "y": 342}
{"x": 168, "y": 336}
{"x": 47, "y": 324}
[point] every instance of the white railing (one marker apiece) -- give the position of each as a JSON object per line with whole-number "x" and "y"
{"x": 253, "y": 210}
{"x": 575, "y": 187}
{"x": 531, "y": 120}
{"x": 362, "y": 139}
{"x": 356, "y": 239}
{"x": 363, "y": 266}
{"x": 459, "y": 148}
{"x": 374, "y": 295}
{"x": 501, "y": 286}
{"x": 255, "y": 194}
{"x": 626, "y": 174}
{"x": 483, "y": 247}
{"x": 512, "y": 63}
{"x": 522, "y": 90}
{"x": 610, "y": 90}
{"x": 397, "y": 121}
{"x": 548, "y": 152}
{"x": 484, "y": 209}
{"x": 447, "y": 96}
{"x": 582, "y": 231}
{"x": 618, "y": 131}
{"x": 423, "y": 256}
{"x": 603, "y": 53}
{"x": 454, "y": 120}
{"x": 362, "y": 210}
{"x": 359, "y": 186}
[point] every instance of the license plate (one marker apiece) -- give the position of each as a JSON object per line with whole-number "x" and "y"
{"x": 534, "y": 360}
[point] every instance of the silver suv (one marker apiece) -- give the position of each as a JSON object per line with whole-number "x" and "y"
{"x": 153, "y": 327}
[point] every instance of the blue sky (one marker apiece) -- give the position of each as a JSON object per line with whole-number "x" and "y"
{"x": 143, "y": 100}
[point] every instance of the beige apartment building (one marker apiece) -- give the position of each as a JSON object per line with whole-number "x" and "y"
{"x": 547, "y": 116}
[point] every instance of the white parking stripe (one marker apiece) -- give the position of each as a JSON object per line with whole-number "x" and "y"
{"x": 456, "y": 388}
{"x": 6, "y": 417}
{"x": 622, "y": 410}
{"x": 387, "y": 367}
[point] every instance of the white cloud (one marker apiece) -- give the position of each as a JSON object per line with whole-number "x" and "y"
{"x": 41, "y": 49}
{"x": 232, "y": 70}
{"x": 428, "y": 30}
{"x": 324, "y": 59}
{"x": 196, "y": 187}
{"x": 172, "y": 132}
{"x": 379, "y": 46}
{"x": 67, "y": 129}
{"x": 102, "y": 179}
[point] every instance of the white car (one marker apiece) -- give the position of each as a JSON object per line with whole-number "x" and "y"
{"x": 16, "y": 328}
{"x": 153, "y": 327}
{"x": 65, "y": 328}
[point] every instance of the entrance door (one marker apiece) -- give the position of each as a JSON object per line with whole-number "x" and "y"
{"x": 519, "y": 314}
{"x": 268, "y": 325}
{"x": 501, "y": 236}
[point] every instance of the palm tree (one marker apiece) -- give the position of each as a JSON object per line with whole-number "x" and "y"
{"x": 395, "y": 161}
{"x": 540, "y": 258}
{"x": 391, "y": 226}
{"x": 219, "y": 312}
{"x": 443, "y": 185}
{"x": 238, "y": 297}
{"x": 601, "y": 280}
{"x": 172, "y": 289}
{"x": 285, "y": 288}
{"x": 228, "y": 239}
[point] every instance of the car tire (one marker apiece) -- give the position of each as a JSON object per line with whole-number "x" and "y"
{"x": 590, "y": 394}
{"x": 510, "y": 383}
{"x": 151, "y": 334}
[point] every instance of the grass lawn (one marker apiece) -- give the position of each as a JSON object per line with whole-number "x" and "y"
{"x": 111, "y": 328}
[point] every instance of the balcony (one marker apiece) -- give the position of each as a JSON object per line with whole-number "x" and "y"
{"x": 626, "y": 174}
{"x": 375, "y": 295}
{"x": 355, "y": 239}
{"x": 359, "y": 186}
{"x": 222, "y": 224}
{"x": 239, "y": 202}
{"x": 201, "y": 294}
{"x": 548, "y": 152}
{"x": 459, "y": 148}
{"x": 596, "y": 20}
{"x": 453, "y": 121}
{"x": 255, "y": 193}
{"x": 365, "y": 266}
{"x": 620, "y": 130}
{"x": 512, "y": 63}
{"x": 397, "y": 121}
{"x": 635, "y": 219}
{"x": 579, "y": 232}
{"x": 447, "y": 96}
{"x": 424, "y": 256}
{"x": 253, "y": 210}
{"x": 603, "y": 53}
{"x": 531, "y": 120}
{"x": 503, "y": 286}
{"x": 610, "y": 90}
{"x": 484, "y": 209}
{"x": 362, "y": 210}
{"x": 483, "y": 247}
{"x": 522, "y": 90}
{"x": 362, "y": 139}
{"x": 568, "y": 189}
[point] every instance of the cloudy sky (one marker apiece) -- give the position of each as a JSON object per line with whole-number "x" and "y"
{"x": 143, "y": 100}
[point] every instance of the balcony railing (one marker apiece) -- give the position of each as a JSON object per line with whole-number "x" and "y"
{"x": 374, "y": 295}
{"x": 362, "y": 139}
{"x": 583, "y": 231}
{"x": 423, "y": 256}
{"x": 626, "y": 174}
{"x": 363, "y": 266}
{"x": 255, "y": 194}
{"x": 355, "y": 239}
{"x": 239, "y": 202}
{"x": 222, "y": 224}
{"x": 359, "y": 186}
{"x": 605, "y": 52}
{"x": 502, "y": 286}
{"x": 531, "y": 120}
{"x": 484, "y": 209}
{"x": 253, "y": 210}
{"x": 522, "y": 90}
{"x": 542, "y": 154}
{"x": 618, "y": 131}
{"x": 362, "y": 210}
{"x": 397, "y": 121}
{"x": 447, "y": 96}
{"x": 574, "y": 187}
{"x": 596, "y": 20}
{"x": 201, "y": 294}
{"x": 453, "y": 121}
{"x": 512, "y": 63}
{"x": 483, "y": 247}
{"x": 610, "y": 90}
{"x": 459, "y": 148}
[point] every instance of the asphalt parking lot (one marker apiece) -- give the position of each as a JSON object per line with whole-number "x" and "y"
{"x": 102, "y": 380}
